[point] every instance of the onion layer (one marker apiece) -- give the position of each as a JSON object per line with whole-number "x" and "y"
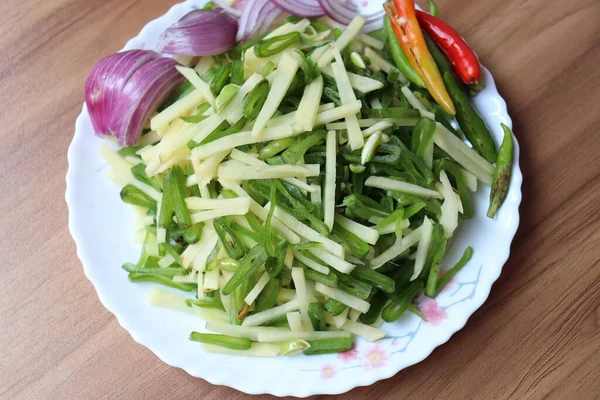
{"x": 301, "y": 8}
{"x": 106, "y": 81}
{"x": 122, "y": 91}
{"x": 344, "y": 11}
{"x": 256, "y": 17}
{"x": 200, "y": 33}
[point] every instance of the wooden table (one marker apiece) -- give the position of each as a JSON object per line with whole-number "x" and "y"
{"x": 538, "y": 334}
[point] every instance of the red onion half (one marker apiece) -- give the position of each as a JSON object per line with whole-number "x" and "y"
{"x": 200, "y": 33}
{"x": 344, "y": 12}
{"x": 301, "y": 8}
{"x": 147, "y": 88}
{"x": 106, "y": 81}
{"x": 122, "y": 91}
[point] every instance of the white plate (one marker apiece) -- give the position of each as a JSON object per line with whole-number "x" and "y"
{"x": 100, "y": 225}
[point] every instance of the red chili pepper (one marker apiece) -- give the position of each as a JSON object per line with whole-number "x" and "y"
{"x": 460, "y": 54}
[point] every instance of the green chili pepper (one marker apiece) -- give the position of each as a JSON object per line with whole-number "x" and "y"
{"x": 225, "y": 96}
{"x": 229, "y": 342}
{"x": 208, "y": 302}
{"x": 433, "y": 9}
{"x": 332, "y": 95}
{"x": 374, "y": 278}
{"x": 224, "y": 130}
{"x": 364, "y": 207}
{"x": 267, "y": 69}
{"x": 280, "y": 321}
{"x": 166, "y": 272}
{"x": 275, "y": 147}
{"x": 502, "y": 173}
{"x": 256, "y": 99}
{"x": 412, "y": 309}
{"x": 451, "y": 273}
{"x": 228, "y": 264}
{"x": 293, "y": 347}
{"x": 166, "y": 281}
{"x": 139, "y": 172}
{"x": 318, "y": 25}
{"x": 353, "y": 286}
{"x": 474, "y": 89}
{"x": 469, "y": 120}
{"x": 334, "y": 307}
{"x": 130, "y": 151}
{"x": 229, "y": 239}
{"x": 267, "y": 298}
{"x": 294, "y": 152}
{"x": 237, "y": 72}
{"x": 453, "y": 168}
{"x": 330, "y": 279}
{"x": 400, "y": 303}
{"x": 248, "y": 266}
{"x": 178, "y": 184}
{"x": 193, "y": 233}
{"x": 269, "y": 47}
{"x": 377, "y": 302}
{"x": 424, "y": 131}
{"x": 302, "y": 208}
{"x": 328, "y": 346}
{"x": 316, "y": 314}
{"x": 400, "y": 58}
{"x": 434, "y": 272}
{"x": 394, "y": 112}
{"x": 220, "y": 79}
{"x": 357, "y": 246}
{"x": 132, "y": 195}
{"x": 310, "y": 68}
{"x": 166, "y": 205}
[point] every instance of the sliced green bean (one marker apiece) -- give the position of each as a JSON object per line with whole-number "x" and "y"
{"x": 400, "y": 303}
{"x": 226, "y": 341}
{"x": 334, "y": 307}
{"x": 377, "y": 302}
{"x": 275, "y": 147}
{"x": 316, "y": 314}
{"x": 132, "y": 195}
{"x": 180, "y": 208}
{"x": 267, "y": 298}
{"x": 208, "y": 302}
{"x": 357, "y": 246}
{"x": 166, "y": 205}
{"x": 374, "y": 278}
{"x": 269, "y": 47}
{"x": 166, "y": 281}
{"x": 220, "y": 79}
{"x": 296, "y": 150}
{"x": 328, "y": 346}
{"x": 451, "y": 273}
{"x": 249, "y": 265}
{"x": 232, "y": 244}
{"x": 434, "y": 272}
{"x": 256, "y": 100}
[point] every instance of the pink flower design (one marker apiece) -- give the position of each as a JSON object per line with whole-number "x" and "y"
{"x": 349, "y": 355}
{"x": 449, "y": 285}
{"x": 376, "y": 357}
{"x": 432, "y": 311}
{"x": 328, "y": 371}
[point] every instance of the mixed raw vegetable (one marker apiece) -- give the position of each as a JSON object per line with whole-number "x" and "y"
{"x": 304, "y": 178}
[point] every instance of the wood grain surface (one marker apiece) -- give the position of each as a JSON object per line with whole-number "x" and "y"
{"x": 537, "y": 336}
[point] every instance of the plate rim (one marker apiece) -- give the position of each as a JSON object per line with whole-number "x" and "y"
{"x": 279, "y": 390}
